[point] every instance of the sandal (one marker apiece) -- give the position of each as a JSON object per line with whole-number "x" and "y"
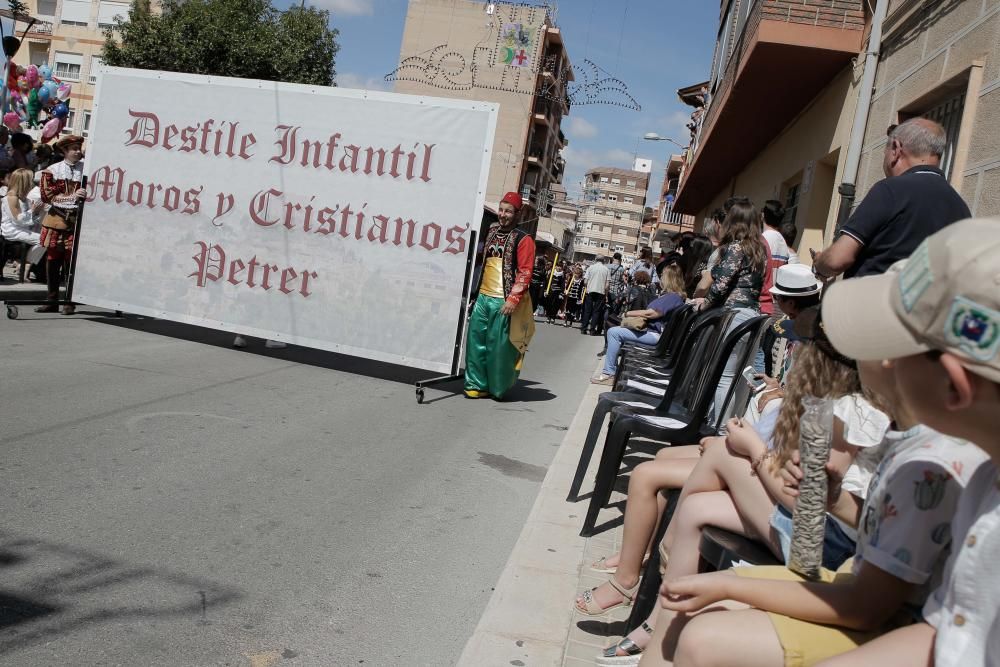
{"x": 610, "y": 658}
{"x": 594, "y": 609}
{"x": 601, "y": 565}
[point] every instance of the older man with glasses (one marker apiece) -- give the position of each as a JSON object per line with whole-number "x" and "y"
{"x": 914, "y": 201}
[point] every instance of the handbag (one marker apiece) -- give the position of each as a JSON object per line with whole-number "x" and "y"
{"x": 634, "y": 323}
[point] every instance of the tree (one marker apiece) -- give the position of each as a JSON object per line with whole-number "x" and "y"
{"x": 240, "y": 38}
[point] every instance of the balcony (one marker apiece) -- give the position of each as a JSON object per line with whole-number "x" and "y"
{"x": 782, "y": 57}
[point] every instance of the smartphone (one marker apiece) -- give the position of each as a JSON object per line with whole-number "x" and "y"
{"x": 750, "y": 375}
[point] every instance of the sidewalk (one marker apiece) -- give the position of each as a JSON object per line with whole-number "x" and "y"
{"x": 531, "y": 618}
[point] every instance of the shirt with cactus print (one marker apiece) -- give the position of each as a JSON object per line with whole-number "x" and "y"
{"x": 906, "y": 520}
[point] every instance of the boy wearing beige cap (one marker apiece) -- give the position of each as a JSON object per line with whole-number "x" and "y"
{"x": 938, "y": 316}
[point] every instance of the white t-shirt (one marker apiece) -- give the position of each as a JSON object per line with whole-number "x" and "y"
{"x": 864, "y": 426}
{"x": 964, "y": 608}
{"x": 776, "y": 242}
{"x": 906, "y": 521}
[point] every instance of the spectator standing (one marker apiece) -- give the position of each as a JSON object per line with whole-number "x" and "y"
{"x": 645, "y": 263}
{"x": 61, "y": 190}
{"x": 554, "y": 293}
{"x": 771, "y": 216}
{"x": 596, "y": 278}
{"x": 616, "y": 282}
{"x": 737, "y": 280}
{"x": 713, "y": 230}
{"x": 21, "y": 145}
{"x": 574, "y": 297}
{"x": 914, "y": 201}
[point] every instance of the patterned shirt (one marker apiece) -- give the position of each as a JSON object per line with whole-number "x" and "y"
{"x": 617, "y": 280}
{"x": 735, "y": 282}
{"x": 906, "y": 522}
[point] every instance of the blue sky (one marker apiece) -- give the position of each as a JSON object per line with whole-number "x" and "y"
{"x": 655, "y": 46}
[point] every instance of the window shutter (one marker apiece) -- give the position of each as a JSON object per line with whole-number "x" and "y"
{"x": 77, "y": 11}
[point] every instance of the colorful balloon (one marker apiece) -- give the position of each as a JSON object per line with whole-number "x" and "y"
{"x": 22, "y": 83}
{"x": 63, "y": 92}
{"x": 52, "y": 86}
{"x": 51, "y": 129}
{"x": 31, "y": 74}
{"x": 12, "y": 121}
{"x": 43, "y": 95}
{"x": 45, "y": 72}
{"x": 60, "y": 110}
{"x": 33, "y": 108}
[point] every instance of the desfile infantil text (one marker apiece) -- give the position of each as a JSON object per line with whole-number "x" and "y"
{"x": 269, "y": 207}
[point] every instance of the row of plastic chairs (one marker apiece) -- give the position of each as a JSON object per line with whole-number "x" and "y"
{"x": 666, "y": 394}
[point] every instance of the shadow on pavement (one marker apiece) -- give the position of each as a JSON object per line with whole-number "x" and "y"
{"x": 53, "y": 590}
{"x": 294, "y": 353}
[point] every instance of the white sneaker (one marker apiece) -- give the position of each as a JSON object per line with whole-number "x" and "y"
{"x": 274, "y": 344}
{"x": 239, "y": 342}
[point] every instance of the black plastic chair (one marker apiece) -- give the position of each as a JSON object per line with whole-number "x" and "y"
{"x": 5, "y": 250}
{"x": 688, "y": 414}
{"x": 704, "y": 326}
{"x": 721, "y": 549}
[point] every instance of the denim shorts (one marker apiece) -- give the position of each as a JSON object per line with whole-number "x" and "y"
{"x": 837, "y": 546}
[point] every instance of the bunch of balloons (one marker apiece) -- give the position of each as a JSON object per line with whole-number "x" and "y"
{"x": 34, "y": 90}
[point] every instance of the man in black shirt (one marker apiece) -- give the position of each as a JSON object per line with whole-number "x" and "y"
{"x": 911, "y": 203}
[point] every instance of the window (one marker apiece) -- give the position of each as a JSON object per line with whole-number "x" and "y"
{"x": 108, "y": 11}
{"x": 629, "y": 200}
{"x": 619, "y": 248}
{"x": 604, "y": 179}
{"x": 631, "y": 184}
{"x": 47, "y": 8}
{"x": 95, "y": 65}
{"x": 722, "y": 46}
{"x": 616, "y": 181}
{"x": 792, "y": 202}
{"x": 618, "y": 216}
{"x": 612, "y": 197}
{"x": 86, "y": 123}
{"x": 949, "y": 114}
{"x": 75, "y": 12}
{"x": 579, "y": 226}
{"x": 39, "y": 57}
{"x": 68, "y": 65}
{"x": 70, "y": 121}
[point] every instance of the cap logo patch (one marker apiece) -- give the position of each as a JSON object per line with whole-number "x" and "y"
{"x": 973, "y": 328}
{"x": 915, "y": 277}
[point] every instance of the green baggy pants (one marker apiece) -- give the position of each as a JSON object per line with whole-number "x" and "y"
{"x": 490, "y": 359}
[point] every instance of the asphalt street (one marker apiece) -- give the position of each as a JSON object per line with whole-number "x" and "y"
{"x": 169, "y": 500}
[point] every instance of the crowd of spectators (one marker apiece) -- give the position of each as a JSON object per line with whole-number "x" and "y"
{"x": 906, "y": 352}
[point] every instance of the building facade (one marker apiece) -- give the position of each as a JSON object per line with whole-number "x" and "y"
{"x": 777, "y": 111}
{"x": 941, "y": 59}
{"x": 936, "y": 58}
{"x": 611, "y": 214}
{"x": 508, "y": 53}
{"x": 70, "y": 41}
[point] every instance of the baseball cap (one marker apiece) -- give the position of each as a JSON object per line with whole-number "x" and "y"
{"x": 945, "y": 297}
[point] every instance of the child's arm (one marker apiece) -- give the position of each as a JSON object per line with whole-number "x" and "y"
{"x": 863, "y": 602}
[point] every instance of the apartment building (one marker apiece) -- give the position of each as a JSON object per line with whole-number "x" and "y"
{"x": 778, "y": 110}
{"x": 611, "y": 214}
{"x": 936, "y": 58}
{"x": 70, "y": 42}
{"x": 509, "y": 53}
{"x": 941, "y": 59}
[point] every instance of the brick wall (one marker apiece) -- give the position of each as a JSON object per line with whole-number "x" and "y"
{"x": 830, "y": 13}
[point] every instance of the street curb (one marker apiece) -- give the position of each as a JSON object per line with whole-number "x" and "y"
{"x": 529, "y": 616}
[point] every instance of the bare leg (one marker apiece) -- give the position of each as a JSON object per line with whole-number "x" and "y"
{"x": 912, "y": 645}
{"x": 722, "y": 639}
{"x": 641, "y": 516}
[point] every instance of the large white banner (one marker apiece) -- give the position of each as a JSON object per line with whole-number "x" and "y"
{"x": 331, "y": 218}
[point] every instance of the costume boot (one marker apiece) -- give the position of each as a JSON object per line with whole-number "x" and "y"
{"x": 52, "y": 267}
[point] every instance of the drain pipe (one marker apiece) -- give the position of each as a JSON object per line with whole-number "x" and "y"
{"x": 847, "y": 187}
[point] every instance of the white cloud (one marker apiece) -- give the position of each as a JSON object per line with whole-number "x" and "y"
{"x": 579, "y": 128}
{"x": 346, "y": 7}
{"x": 350, "y": 80}
{"x": 619, "y": 155}
{"x": 674, "y": 126}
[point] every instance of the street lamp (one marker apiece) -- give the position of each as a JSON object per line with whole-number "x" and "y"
{"x": 653, "y": 136}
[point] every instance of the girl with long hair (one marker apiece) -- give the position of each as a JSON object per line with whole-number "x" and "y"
{"x": 737, "y": 281}
{"x": 18, "y": 221}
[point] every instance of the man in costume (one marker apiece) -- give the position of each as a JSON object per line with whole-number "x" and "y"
{"x": 61, "y": 189}
{"x": 502, "y": 321}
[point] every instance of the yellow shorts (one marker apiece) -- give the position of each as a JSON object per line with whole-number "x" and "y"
{"x": 807, "y": 643}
